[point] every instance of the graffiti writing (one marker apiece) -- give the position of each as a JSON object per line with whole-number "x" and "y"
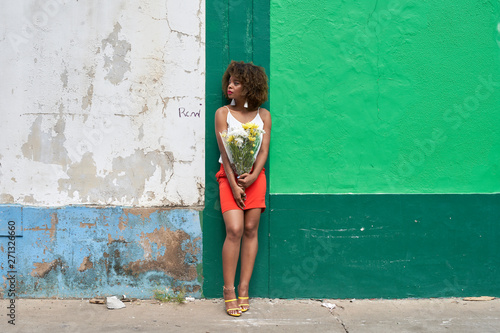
{"x": 183, "y": 113}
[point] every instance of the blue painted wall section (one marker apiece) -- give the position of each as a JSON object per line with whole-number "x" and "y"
{"x": 89, "y": 251}
{"x": 11, "y": 213}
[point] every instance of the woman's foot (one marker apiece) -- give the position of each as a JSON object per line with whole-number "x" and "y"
{"x": 232, "y": 306}
{"x": 243, "y": 300}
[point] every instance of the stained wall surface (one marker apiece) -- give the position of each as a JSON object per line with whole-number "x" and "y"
{"x": 102, "y": 103}
{"x": 102, "y": 146}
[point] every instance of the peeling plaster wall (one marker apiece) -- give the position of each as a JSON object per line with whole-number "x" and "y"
{"x": 102, "y": 146}
{"x": 86, "y": 252}
{"x": 102, "y": 103}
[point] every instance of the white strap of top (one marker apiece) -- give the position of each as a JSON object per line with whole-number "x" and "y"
{"x": 229, "y": 110}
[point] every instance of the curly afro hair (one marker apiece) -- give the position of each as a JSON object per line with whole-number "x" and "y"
{"x": 252, "y": 77}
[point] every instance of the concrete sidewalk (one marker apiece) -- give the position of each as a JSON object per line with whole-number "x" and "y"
{"x": 265, "y": 315}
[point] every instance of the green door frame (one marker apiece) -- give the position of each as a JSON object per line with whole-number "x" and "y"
{"x": 236, "y": 30}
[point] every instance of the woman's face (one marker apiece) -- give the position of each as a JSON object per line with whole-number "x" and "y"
{"x": 235, "y": 89}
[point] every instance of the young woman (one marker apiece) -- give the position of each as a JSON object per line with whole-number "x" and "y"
{"x": 242, "y": 197}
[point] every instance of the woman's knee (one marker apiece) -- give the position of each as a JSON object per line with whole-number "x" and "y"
{"x": 234, "y": 232}
{"x": 251, "y": 229}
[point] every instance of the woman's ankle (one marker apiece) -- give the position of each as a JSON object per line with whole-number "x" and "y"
{"x": 229, "y": 292}
{"x": 243, "y": 290}
{"x": 226, "y": 288}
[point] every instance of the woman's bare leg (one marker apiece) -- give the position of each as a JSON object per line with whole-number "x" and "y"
{"x": 234, "y": 220}
{"x": 249, "y": 247}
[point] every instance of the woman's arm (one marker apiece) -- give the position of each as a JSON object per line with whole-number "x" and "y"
{"x": 247, "y": 179}
{"x": 220, "y": 126}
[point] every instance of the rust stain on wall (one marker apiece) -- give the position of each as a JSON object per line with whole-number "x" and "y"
{"x": 86, "y": 264}
{"x": 54, "y": 220}
{"x": 144, "y": 213}
{"x": 191, "y": 247}
{"x": 172, "y": 261}
{"x": 111, "y": 240}
{"x": 83, "y": 225}
{"x": 123, "y": 223}
{"x": 43, "y": 268}
{"x": 53, "y": 226}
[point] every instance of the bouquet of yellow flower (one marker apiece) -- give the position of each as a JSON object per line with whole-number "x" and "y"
{"x": 241, "y": 145}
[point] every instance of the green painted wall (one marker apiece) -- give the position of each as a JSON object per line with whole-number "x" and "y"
{"x": 384, "y": 164}
{"x": 384, "y": 245}
{"x": 236, "y": 30}
{"x": 385, "y": 96}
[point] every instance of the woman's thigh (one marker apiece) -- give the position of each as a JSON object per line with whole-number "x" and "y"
{"x": 235, "y": 222}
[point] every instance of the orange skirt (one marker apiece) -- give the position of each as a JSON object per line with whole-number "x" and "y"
{"x": 256, "y": 193}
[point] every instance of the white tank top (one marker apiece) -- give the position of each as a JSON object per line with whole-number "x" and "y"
{"x": 234, "y": 123}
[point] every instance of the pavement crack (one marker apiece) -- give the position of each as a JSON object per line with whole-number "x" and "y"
{"x": 341, "y": 322}
{"x": 343, "y": 325}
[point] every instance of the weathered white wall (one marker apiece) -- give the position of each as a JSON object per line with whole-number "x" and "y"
{"x": 102, "y": 102}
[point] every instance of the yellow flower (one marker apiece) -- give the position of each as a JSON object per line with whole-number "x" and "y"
{"x": 251, "y": 151}
{"x": 251, "y": 138}
{"x": 231, "y": 138}
{"x": 223, "y": 135}
{"x": 249, "y": 126}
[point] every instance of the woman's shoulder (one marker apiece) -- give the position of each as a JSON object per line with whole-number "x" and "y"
{"x": 223, "y": 110}
{"x": 264, "y": 113}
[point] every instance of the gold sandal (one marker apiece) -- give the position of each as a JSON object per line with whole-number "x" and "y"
{"x": 244, "y": 309}
{"x": 232, "y": 309}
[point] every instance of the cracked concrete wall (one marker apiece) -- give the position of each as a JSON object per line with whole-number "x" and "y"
{"x": 102, "y": 103}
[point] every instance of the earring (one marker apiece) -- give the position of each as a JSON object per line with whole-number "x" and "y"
{"x": 246, "y": 105}
{"x": 233, "y": 102}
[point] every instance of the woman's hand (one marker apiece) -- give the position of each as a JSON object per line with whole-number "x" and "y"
{"x": 239, "y": 196}
{"x": 246, "y": 179}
